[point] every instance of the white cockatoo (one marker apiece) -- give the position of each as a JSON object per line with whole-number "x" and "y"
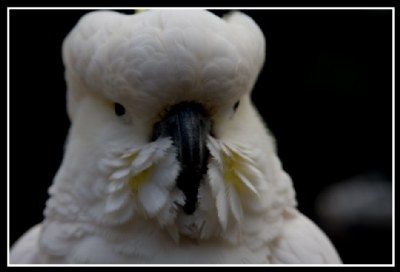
{"x": 167, "y": 160}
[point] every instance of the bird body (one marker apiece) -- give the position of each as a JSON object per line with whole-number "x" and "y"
{"x": 167, "y": 160}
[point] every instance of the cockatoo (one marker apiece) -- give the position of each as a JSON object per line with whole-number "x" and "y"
{"x": 167, "y": 159}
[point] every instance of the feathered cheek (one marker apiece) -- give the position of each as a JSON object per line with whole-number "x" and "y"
{"x": 233, "y": 179}
{"x": 142, "y": 181}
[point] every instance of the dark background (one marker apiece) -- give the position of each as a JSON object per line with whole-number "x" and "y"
{"x": 325, "y": 92}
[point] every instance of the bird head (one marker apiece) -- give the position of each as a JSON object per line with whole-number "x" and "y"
{"x": 163, "y": 127}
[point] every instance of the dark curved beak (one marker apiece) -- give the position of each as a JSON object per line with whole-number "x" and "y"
{"x": 188, "y": 125}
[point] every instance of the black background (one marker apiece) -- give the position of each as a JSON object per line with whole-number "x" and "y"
{"x": 325, "y": 92}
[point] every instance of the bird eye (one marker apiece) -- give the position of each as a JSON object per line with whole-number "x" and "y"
{"x": 119, "y": 109}
{"x": 236, "y": 105}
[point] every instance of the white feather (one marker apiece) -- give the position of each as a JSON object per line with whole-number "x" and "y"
{"x": 222, "y": 209}
{"x": 119, "y": 174}
{"x": 152, "y": 198}
{"x": 234, "y": 204}
{"x": 246, "y": 182}
{"x": 301, "y": 241}
{"x": 117, "y": 200}
{"x": 115, "y": 186}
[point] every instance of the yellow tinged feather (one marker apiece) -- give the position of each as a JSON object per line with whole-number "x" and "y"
{"x": 230, "y": 163}
{"x": 137, "y": 181}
